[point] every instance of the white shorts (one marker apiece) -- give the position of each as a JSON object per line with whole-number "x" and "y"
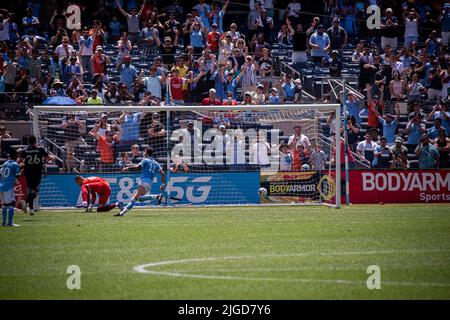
{"x": 391, "y": 41}
{"x": 146, "y": 184}
{"x": 6, "y": 197}
{"x": 434, "y": 94}
{"x": 445, "y": 35}
{"x": 299, "y": 56}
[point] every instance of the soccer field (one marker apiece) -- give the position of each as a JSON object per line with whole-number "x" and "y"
{"x": 284, "y": 252}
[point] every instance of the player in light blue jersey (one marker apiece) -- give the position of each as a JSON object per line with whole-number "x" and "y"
{"x": 9, "y": 172}
{"x": 149, "y": 168}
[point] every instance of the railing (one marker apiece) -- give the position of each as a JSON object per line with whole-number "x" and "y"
{"x": 358, "y": 159}
{"x": 292, "y": 71}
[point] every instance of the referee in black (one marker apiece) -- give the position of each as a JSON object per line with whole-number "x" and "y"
{"x": 33, "y": 161}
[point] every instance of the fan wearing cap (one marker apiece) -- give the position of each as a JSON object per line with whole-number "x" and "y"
{"x": 220, "y": 142}
{"x": 191, "y": 139}
{"x": 383, "y": 79}
{"x": 260, "y": 97}
{"x": 248, "y": 70}
{"x": 375, "y": 106}
{"x": 99, "y": 61}
{"x": 288, "y": 88}
{"x": 273, "y": 97}
{"x": 171, "y": 25}
{"x": 335, "y": 64}
{"x": 57, "y": 89}
{"x": 382, "y": 155}
{"x": 213, "y": 38}
{"x": 399, "y": 154}
{"x": 427, "y": 154}
{"x": 160, "y": 68}
{"x": 168, "y": 48}
{"x": 211, "y": 99}
{"x": 320, "y": 44}
{"x": 229, "y": 99}
{"x": 389, "y": 25}
{"x": 132, "y": 20}
{"x": 248, "y": 99}
{"x": 153, "y": 82}
{"x": 254, "y": 20}
{"x": 298, "y": 97}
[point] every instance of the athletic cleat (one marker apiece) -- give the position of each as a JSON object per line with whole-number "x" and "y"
{"x": 120, "y": 205}
{"x": 31, "y": 212}
{"x": 121, "y": 213}
{"x": 13, "y": 225}
{"x": 23, "y": 204}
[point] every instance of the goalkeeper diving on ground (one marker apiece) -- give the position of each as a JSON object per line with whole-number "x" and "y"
{"x": 92, "y": 186}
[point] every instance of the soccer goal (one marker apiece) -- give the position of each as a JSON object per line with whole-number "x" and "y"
{"x": 212, "y": 155}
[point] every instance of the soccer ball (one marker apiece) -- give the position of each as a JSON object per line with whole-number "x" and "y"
{"x": 262, "y": 192}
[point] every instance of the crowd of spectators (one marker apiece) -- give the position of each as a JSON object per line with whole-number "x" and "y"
{"x": 151, "y": 53}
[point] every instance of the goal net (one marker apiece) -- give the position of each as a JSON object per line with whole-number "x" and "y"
{"x": 212, "y": 155}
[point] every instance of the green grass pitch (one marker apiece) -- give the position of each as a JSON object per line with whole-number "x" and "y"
{"x": 287, "y": 252}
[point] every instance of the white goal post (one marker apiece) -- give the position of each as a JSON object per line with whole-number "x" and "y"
{"x": 209, "y": 151}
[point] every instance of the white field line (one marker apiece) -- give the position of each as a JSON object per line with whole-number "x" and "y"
{"x": 145, "y": 268}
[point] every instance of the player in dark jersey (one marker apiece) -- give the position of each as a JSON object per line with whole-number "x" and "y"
{"x": 33, "y": 158}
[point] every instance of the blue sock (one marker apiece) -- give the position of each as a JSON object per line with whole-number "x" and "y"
{"x": 4, "y": 211}
{"x": 147, "y": 197}
{"x": 10, "y": 215}
{"x": 131, "y": 204}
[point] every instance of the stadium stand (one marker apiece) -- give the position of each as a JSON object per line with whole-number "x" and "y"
{"x": 106, "y": 58}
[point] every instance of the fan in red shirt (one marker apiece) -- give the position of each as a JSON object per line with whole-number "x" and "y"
{"x": 176, "y": 87}
{"x": 211, "y": 100}
{"x": 374, "y": 104}
{"x": 92, "y": 186}
{"x": 213, "y": 38}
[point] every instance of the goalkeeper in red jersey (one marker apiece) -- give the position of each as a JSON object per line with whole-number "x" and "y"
{"x": 92, "y": 186}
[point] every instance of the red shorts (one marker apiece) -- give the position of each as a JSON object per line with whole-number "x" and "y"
{"x": 102, "y": 189}
{"x": 104, "y": 194}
